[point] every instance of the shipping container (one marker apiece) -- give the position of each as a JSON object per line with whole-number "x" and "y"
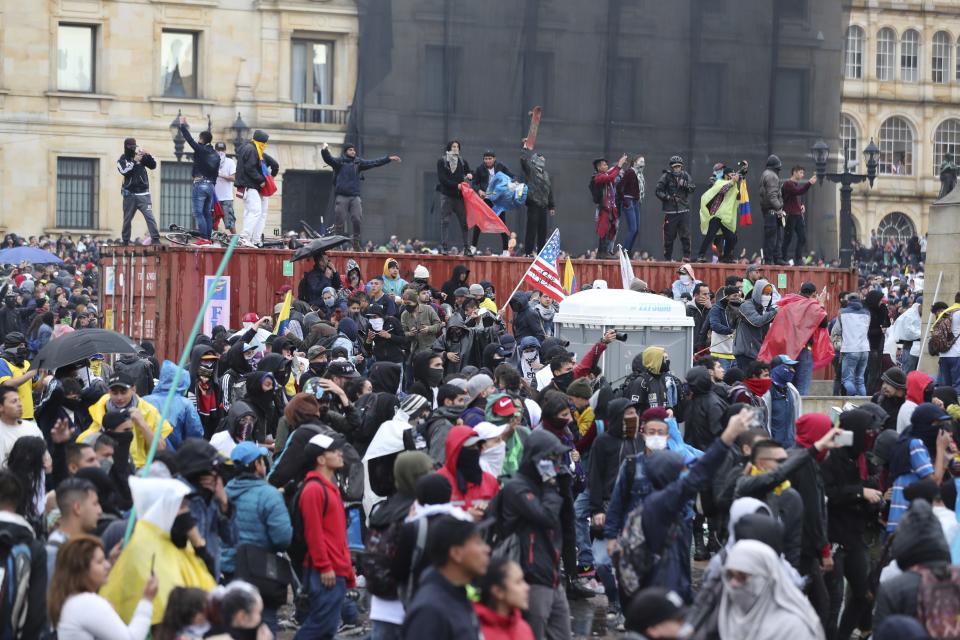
{"x": 155, "y": 293}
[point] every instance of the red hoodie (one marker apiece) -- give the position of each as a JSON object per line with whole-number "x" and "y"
{"x": 325, "y": 528}
{"x": 917, "y": 381}
{"x": 497, "y": 627}
{"x": 487, "y": 488}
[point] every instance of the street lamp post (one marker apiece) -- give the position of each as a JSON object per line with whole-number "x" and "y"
{"x": 178, "y": 140}
{"x": 846, "y": 180}
{"x": 241, "y": 131}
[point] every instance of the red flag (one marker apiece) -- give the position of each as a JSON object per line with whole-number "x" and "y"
{"x": 796, "y": 323}
{"x": 479, "y": 214}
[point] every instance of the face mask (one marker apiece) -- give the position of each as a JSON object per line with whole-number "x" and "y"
{"x": 491, "y": 459}
{"x": 434, "y": 377}
{"x": 563, "y": 380}
{"x": 665, "y": 367}
{"x": 547, "y": 470}
{"x": 631, "y": 426}
{"x": 745, "y": 596}
{"x": 530, "y": 356}
{"x": 123, "y": 438}
{"x": 328, "y": 302}
{"x": 181, "y": 525}
{"x": 765, "y": 300}
{"x": 222, "y": 154}
{"x": 243, "y": 634}
{"x": 781, "y": 375}
{"x": 655, "y": 443}
{"x": 196, "y": 630}
{"x": 318, "y": 368}
{"x": 376, "y": 324}
{"x": 106, "y": 464}
{"x": 684, "y": 279}
{"x": 411, "y": 307}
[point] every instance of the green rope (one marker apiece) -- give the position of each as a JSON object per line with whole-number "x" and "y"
{"x": 164, "y": 411}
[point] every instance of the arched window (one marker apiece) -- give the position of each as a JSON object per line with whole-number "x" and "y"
{"x": 897, "y": 226}
{"x": 910, "y": 56}
{"x": 940, "y": 58}
{"x": 896, "y": 147}
{"x": 946, "y": 140}
{"x": 849, "y": 140}
{"x": 887, "y": 53}
{"x": 853, "y": 53}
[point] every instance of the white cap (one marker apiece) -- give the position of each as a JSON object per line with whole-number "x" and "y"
{"x": 489, "y": 431}
{"x": 421, "y": 272}
{"x": 599, "y": 284}
{"x": 321, "y": 440}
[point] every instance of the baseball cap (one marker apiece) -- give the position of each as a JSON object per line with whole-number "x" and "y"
{"x": 473, "y": 439}
{"x": 247, "y": 453}
{"x": 220, "y": 146}
{"x": 342, "y": 369}
{"x": 461, "y": 292}
{"x": 753, "y": 267}
{"x": 375, "y": 311}
{"x": 326, "y": 443}
{"x": 488, "y": 430}
{"x": 477, "y": 385}
{"x": 652, "y": 606}
{"x": 113, "y": 419}
{"x": 315, "y": 351}
{"x": 121, "y": 379}
{"x": 477, "y": 290}
{"x": 500, "y": 405}
{"x": 250, "y": 317}
{"x": 785, "y": 359}
{"x": 808, "y": 288}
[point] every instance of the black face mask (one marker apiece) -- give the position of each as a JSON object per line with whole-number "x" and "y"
{"x": 434, "y": 377}
{"x": 236, "y": 633}
{"x": 123, "y": 438}
{"x": 468, "y": 465}
{"x": 665, "y": 366}
{"x": 563, "y": 380}
{"x": 318, "y": 368}
{"x": 181, "y": 526}
{"x": 74, "y": 404}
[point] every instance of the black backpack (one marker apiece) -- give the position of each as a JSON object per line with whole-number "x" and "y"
{"x": 16, "y": 561}
{"x": 377, "y": 559}
{"x": 298, "y": 542}
{"x": 596, "y": 192}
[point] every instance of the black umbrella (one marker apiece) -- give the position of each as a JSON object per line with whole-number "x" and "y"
{"x": 318, "y": 246}
{"x": 80, "y": 345}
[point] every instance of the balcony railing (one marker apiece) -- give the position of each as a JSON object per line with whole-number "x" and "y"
{"x": 321, "y": 114}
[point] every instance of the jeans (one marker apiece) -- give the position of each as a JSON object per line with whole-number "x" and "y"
{"x": 229, "y": 217}
{"x": 852, "y": 368}
{"x": 910, "y": 363}
{"x": 772, "y": 237}
{"x": 804, "y": 371}
{"x": 630, "y": 213}
{"x": 581, "y": 510}
{"x": 949, "y": 372}
{"x": 202, "y": 198}
{"x": 449, "y": 206}
{"x": 324, "y": 618}
{"x": 344, "y": 208}
{"x": 254, "y": 215}
{"x": 605, "y": 571}
{"x": 385, "y": 631}
{"x": 795, "y": 225}
{"x": 142, "y": 203}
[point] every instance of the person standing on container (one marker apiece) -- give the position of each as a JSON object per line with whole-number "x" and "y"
{"x": 452, "y": 169}
{"x": 346, "y": 184}
{"x": 251, "y": 177}
{"x": 133, "y": 165}
{"x": 206, "y": 170}
{"x": 224, "y": 186}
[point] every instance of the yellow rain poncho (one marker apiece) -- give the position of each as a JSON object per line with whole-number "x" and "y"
{"x": 157, "y": 502}
{"x": 727, "y": 210}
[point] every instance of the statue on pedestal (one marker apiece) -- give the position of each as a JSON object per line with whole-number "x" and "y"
{"x": 948, "y": 175}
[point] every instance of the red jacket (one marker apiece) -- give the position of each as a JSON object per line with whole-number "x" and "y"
{"x": 488, "y": 486}
{"x": 325, "y": 528}
{"x": 791, "y": 196}
{"x": 497, "y": 627}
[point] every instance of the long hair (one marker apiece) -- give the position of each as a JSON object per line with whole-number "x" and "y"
{"x": 183, "y": 604}
{"x": 26, "y": 461}
{"x": 71, "y": 573}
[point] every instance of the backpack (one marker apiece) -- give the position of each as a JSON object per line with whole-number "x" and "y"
{"x": 941, "y": 336}
{"x": 376, "y": 561}
{"x": 938, "y": 600}
{"x": 596, "y": 192}
{"x": 406, "y": 591}
{"x": 634, "y": 562}
{"x": 14, "y": 585}
{"x": 298, "y": 542}
{"x": 503, "y": 543}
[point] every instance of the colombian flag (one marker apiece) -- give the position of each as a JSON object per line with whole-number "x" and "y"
{"x": 284, "y": 316}
{"x": 744, "y": 209}
{"x": 569, "y": 278}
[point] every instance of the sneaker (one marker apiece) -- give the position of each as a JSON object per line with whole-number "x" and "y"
{"x": 349, "y": 629}
{"x": 580, "y": 589}
{"x": 202, "y": 242}
{"x": 586, "y": 571}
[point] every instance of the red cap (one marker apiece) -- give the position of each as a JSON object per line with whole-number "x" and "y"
{"x": 504, "y": 407}
{"x": 250, "y": 317}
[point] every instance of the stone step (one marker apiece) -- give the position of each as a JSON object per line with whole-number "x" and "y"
{"x": 824, "y": 404}
{"x": 821, "y": 387}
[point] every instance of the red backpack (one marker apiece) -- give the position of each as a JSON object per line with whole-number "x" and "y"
{"x": 938, "y": 600}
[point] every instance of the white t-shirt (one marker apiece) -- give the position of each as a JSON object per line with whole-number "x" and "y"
{"x": 954, "y": 351}
{"x": 223, "y": 442}
{"x": 224, "y": 188}
{"x": 9, "y": 434}
{"x": 87, "y": 616}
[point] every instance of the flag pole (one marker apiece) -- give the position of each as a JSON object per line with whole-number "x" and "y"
{"x": 523, "y": 277}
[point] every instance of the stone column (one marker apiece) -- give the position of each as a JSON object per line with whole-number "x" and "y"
{"x": 943, "y": 238}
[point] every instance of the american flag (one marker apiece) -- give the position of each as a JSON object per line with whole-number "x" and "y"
{"x": 543, "y": 274}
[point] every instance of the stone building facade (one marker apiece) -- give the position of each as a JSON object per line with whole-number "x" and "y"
{"x": 78, "y": 76}
{"x": 901, "y": 70}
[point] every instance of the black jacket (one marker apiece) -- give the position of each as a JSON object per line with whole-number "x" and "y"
{"x": 137, "y": 368}
{"x": 534, "y": 511}
{"x": 705, "y": 410}
{"x": 389, "y": 349}
{"x": 346, "y": 172}
{"x": 206, "y": 160}
{"x": 440, "y": 611}
{"x": 134, "y": 173}
{"x": 449, "y": 181}
{"x": 526, "y": 321}
{"x": 700, "y": 325}
{"x": 312, "y": 286}
{"x": 15, "y": 530}
{"x": 455, "y": 283}
{"x": 481, "y": 176}
{"x": 673, "y": 191}
{"x": 248, "y": 173}
{"x": 846, "y": 509}
{"x": 608, "y": 452}
{"x": 539, "y": 184}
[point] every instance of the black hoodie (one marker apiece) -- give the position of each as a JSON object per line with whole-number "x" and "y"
{"x": 455, "y": 282}
{"x": 609, "y": 451}
{"x": 879, "y": 319}
{"x": 705, "y": 410}
{"x": 420, "y": 368}
{"x": 847, "y": 511}
{"x": 526, "y": 321}
{"x": 385, "y": 377}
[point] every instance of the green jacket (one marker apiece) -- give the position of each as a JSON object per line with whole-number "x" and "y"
{"x": 511, "y": 461}
{"x": 727, "y": 211}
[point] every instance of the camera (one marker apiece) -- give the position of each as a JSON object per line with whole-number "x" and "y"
{"x": 622, "y": 336}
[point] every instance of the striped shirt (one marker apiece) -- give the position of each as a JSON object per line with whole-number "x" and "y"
{"x": 921, "y": 467}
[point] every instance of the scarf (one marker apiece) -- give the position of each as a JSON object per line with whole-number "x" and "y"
{"x": 714, "y": 205}
{"x": 206, "y": 399}
{"x": 783, "y": 486}
{"x": 758, "y": 386}
{"x": 452, "y": 159}
{"x": 260, "y": 147}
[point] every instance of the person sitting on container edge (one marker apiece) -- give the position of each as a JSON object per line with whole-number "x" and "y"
{"x": 145, "y": 417}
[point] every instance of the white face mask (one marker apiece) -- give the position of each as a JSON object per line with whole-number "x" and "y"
{"x": 376, "y": 324}
{"x": 530, "y": 356}
{"x": 685, "y": 279}
{"x": 655, "y": 443}
{"x": 491, "y": 460}
{"x": 765, "y": 300}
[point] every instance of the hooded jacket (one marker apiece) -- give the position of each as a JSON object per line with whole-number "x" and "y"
{"x": 230, "y": 435}
{"x": 707, "y": 405}
{"x": 435, "y": 429}
{"x": 917, "y": 383}
{"x": 195, "y": 356}
{"x": 753, "y": 323}
{"x": 771, "y": 197}
{"x": 463, "y": 347}
{"x": 139, "y": 446}
{"x": 345, "y": 279}
{"x": 847, "y": 510}
{"x": 455, "y": 282}
{"x": 879, "y": 319}
{"x": 288, "y": 469}
{"x": 852, "y": 326}
{"x": 314, "y": 282}
{"x": 17, "y": 531}
{"x": 260, "y": 518}
{"x": 678, "y": 288}
{"x": 539, "y": 184}
{"x": 498, "y": 627}
{"x": 488, "y": 487}
{"x": 392, "y": 286}
{"x": 182, "y": 413}
{"x": 249, "y": 169}
{"x": 533, "y": 511}
{"x": 609, "y": 451}
{"x": 674, "y": 191}
{"x": 650, "y": 386}
{"x": 526, "y": 321}
{"x": 346, "y": 171}
{"x": 137, "y": 368}
{"x": 385, "y": 377}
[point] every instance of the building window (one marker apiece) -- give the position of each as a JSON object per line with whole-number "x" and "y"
{"x": 849, "y": 141}
{"x": 312, "y": 72}
{"x": 886, "y": 53}
{"x": 853, "y": 53}
{"x": 791, "y": 100}
{"x": 176, "y": 186}
{"x": 178, "y": 63}
{"x": 896, "y": 147}
{"x": 940, "y": 58}
{"x": 76, "y": 57}
{"x": 957, "y": 59}
{"x": 896, "y": 226}
{"x": 708, "y": 98}
{"x": 78, "y": 192}
{"x": 537, "y": 72}
{"x": 624, "y": 105}
{"x": 910, "y": 56}
{"x": 441, "y": 69}
{"x": 946, "y": 140}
